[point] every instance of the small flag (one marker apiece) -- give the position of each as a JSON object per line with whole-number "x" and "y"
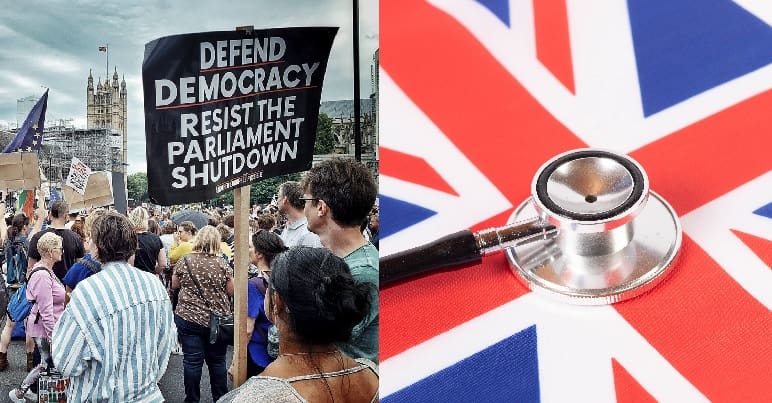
{"x": 25, "y": 202}
{"x": 103, "y": 48}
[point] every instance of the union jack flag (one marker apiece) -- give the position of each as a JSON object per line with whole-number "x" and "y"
{"x": 476, "y": 95}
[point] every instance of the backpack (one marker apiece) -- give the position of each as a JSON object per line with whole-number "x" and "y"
{"x": 18, "y": 305}
{"x": 16, "y": 262}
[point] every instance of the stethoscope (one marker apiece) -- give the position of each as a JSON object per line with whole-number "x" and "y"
{"x": 592, "y": 233}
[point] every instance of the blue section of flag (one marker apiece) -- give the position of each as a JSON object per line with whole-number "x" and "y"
{"x": 685, "y": 47}
{"x": 53, "y": 196}
{"x": 401, "y": 215}
{"x": 765, "y": 211}
{"x": 507, "y": 371}
{"x": 30, "y": 135}
{"x": 498, "y": 7}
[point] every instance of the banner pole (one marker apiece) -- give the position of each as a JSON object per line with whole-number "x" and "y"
{"x": 240, "y": 275}
{"x": 240, "y": 280}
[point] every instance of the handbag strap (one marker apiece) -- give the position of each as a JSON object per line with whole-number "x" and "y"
{"x": 195, "y": 281}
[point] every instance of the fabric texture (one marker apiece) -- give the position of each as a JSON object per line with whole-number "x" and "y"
{"x": 96, "y": 342}
{"x": 196, "y": 350}
{"x": 297, "y": 234}
{"x": 363, "y": 263}
{"x": 48, "y": 294}
{"x": 148, "y": 246}
{"x": 258, "y": 343}
{"x": 80, "y": 271}
{"x": 271, "y": 389}
{"x": 178, "y": 250}
{"x": 212, "y": 273}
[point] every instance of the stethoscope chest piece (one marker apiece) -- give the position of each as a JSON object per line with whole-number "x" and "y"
{"x": 615, "y": 239}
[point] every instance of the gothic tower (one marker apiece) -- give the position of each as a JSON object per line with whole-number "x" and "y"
{"x": 106, "y": 109}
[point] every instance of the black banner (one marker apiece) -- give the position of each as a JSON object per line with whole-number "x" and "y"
{"x": 229, "y": 108}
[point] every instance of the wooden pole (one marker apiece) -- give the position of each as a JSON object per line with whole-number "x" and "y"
{"x": 241, "y": 264}
{"x": 240, "y": 275}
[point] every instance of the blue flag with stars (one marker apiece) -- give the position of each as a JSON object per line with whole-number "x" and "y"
{"x": 30, "y": 134}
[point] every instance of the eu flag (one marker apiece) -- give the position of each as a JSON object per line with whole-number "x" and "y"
{"x": 30, "y": 135}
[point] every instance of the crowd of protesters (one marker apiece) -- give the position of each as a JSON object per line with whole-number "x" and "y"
{"x": 115, "y": 295}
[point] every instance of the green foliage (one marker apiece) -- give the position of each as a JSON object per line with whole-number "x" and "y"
{"x": 259, "y": 193}
{"x": 325, "y": 140}
{"x": 136, "y": 184}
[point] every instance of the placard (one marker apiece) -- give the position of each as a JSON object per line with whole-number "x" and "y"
{"x": 13, "y": 178}
{"x": 98, "y": 192}
{"x": 229, "y": 108}
{"x": 78, "y": 176}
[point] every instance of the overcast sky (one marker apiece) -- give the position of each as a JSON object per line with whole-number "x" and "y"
{"x": 55, "y": 43}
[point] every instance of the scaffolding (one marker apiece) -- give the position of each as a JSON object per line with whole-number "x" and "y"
{"x": 60, "y": 144}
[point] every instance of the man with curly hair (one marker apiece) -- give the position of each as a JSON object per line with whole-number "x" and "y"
{"x": 338, "y": 196}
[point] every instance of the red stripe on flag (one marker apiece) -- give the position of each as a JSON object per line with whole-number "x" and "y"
{"x": 412, "y": 312}
{"x": 628, "y": 390}
{"x": 760, "y": 246}
{"x": 412, "y": 169}
{"x": 708, "y": 327}
{"x": 713, "y": 156}
{"x": 553, "y": 44}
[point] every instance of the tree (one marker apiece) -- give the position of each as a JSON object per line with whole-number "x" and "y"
{"x": 260, "y": 192}
{"x": 136, "y": 184}
{"x": 325, "y": 140}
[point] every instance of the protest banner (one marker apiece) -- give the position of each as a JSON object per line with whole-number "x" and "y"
{"x": 98, "y": 192}
{"x": 225, "y": 109}
{"x": 78, "y": 176}
{"x": 13, "y": 178}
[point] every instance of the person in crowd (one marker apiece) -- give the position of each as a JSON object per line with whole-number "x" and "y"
{"x": 182, "y": 245}
{"x": 167, "y": 238}
{"x": 15, "y": 248}
{"x": 89, "y": 264}
{"x": 115, "y": 337}
{"x": 224, "y": 246}
{"x": 167, "y": 235}
{"x": 339, "y": 194}
{"x": 153, "y": 227}
{"x": 48, "y": 293}
{"x": 266, "y": 222}
{"x": 168, "y": 231}
{"x": 17, "y": 278}
{"x": 374, "y": 227}
{"x": 296, "y": 230}
{"x": 72, "y": 243}
{"x": 205, "y": 281}
{"x": 77, "y": 227}
{"x": 150, "y": 255}
{"x": 71, "y": 218}
{"x": 315, "y": 302}
{"x": 264, "y": 246}
{"x": 229, "y": 221}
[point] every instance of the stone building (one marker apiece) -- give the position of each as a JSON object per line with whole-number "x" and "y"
{"x": 106, "y": 109}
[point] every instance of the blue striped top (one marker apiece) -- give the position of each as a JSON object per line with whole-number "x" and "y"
{"x": 115, "y": 336}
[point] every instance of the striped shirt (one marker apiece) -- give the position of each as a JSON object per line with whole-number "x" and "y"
{"x": 115, "y": 336}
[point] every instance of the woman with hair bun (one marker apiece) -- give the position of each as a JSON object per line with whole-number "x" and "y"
{"x": 315, "y": 303}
